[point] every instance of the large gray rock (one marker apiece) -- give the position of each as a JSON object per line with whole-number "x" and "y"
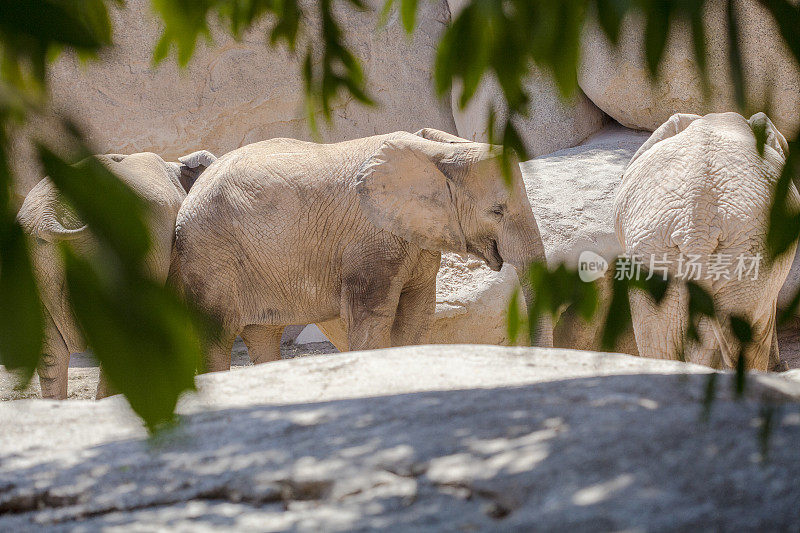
{"x": 572, "y": 194}
{"x": 618, "y": 81}
{"x": 235, "y": 93}
{"x": 421, "y": 438}
{"x": 551, "y": 124}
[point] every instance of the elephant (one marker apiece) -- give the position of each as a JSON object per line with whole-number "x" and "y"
{"x": 285, "y": 232}
{"x": 694, "y": 203}
{"x": 48, "y": 220}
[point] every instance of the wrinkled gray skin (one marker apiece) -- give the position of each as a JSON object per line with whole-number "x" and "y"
{"x": 49, "y": 221}
{"x": 290, "y": 232}
{"x": 698, "y": 186}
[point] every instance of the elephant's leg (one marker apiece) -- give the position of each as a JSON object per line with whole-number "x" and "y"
{"x": 218, "y": 352}
{"x": 415, "y": 311}
{"x": 417, "y": 303}
{"x": 263, "y": 342}
{"x": 336, "y": 331}
{"x": 369, "y": 307}
{"x": 659, "y": 329}
{"x": 758, "y": 353}
{"x": 54, "y": 366}
{"x": 104, "y": 388}
{"x": 775, "y": 363}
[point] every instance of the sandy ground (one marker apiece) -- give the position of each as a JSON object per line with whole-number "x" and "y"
{"x": 83, "y": 372}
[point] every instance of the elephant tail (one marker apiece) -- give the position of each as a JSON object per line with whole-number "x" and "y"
{"x": 193, "y": 165}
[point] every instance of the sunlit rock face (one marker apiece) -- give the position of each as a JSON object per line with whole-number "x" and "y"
{"x": 420, "y": 438}
{"x": 618, "y": 81}
{"x": 552, "y": 123}
{"x": 235, "y": 93}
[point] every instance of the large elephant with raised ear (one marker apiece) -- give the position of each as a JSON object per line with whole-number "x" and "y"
{"x": 291, "y": 232}
{"x": 49, "y": 220}
{"x": 694, "y": 202}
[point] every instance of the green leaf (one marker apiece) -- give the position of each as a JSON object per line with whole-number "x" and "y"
{"x": 82, "y": 25}
{"x": 699, "y": 45}
{"x": 787, "y": 16}
{"x": 658, "y": 15}
{"x": 113, "y": 212}
{"x": 142, "y": 335}
{"x": 21, "y": 322}
{"x": 619, "y": 315}
{"x": 767, "y": 415}
{"x": 784, "y": 225}
{"x": 709, "y": 395}
{"x": 610, "y": 14}
{"x": 735, "y": 56}
{"x": 700, "y": 302}
{"x": 408, "y": 14}
{"x": 513, "y": 318}
{"x": 742, "y": 329}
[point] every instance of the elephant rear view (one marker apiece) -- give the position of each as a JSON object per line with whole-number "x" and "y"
{"x": 694, "y": 203}
{"x": 291, "y": 232}
{"x": 49, "y": 221}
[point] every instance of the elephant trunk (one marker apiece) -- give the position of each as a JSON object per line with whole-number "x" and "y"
{"x": 522, "y": 246}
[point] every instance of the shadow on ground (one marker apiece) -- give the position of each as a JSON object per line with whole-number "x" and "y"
{"x": 619, "y": 452}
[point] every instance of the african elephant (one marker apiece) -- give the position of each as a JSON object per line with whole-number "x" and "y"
{"x": 49, "y": 220}
{"x": 694, "y": 202}
{"x": 291, "y": 232}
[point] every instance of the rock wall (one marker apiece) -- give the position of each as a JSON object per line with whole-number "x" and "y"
{"x": 235, "y": 93}
{"x": 551, "y": 124}
{"x": 618, "y": 80}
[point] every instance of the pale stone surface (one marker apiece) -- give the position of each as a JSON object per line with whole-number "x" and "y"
{"x": 551, "y": 124}
{"x": 572, "y": 194}
{"x": 420, "y": 438}
{"x": 618, "y": 81}
{"x": 236, "y": 93}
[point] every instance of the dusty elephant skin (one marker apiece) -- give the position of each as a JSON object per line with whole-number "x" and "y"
{"x": 48, "y": 220}
{"x": 698, "y": 191}
{"x": 284, "y": 232}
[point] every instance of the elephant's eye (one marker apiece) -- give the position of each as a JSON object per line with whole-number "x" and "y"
{"x": 498, "y": 210}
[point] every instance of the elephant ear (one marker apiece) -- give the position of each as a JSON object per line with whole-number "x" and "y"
{"x": 440, "y": 136}
{"x": 761, "y": 124}
{"x": 676, "y": 124}
{"x": 402, "y": 191}
{"x": 192, "y": 165}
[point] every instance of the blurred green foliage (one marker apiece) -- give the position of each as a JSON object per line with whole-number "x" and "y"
{"x": 146, "y": 338}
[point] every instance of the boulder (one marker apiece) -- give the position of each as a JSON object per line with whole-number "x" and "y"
{"x": 618, "y": 81}
{"x": 551, "y": 124}
{"x": 235, "y": 93}
{"x": 424, "y": 438}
